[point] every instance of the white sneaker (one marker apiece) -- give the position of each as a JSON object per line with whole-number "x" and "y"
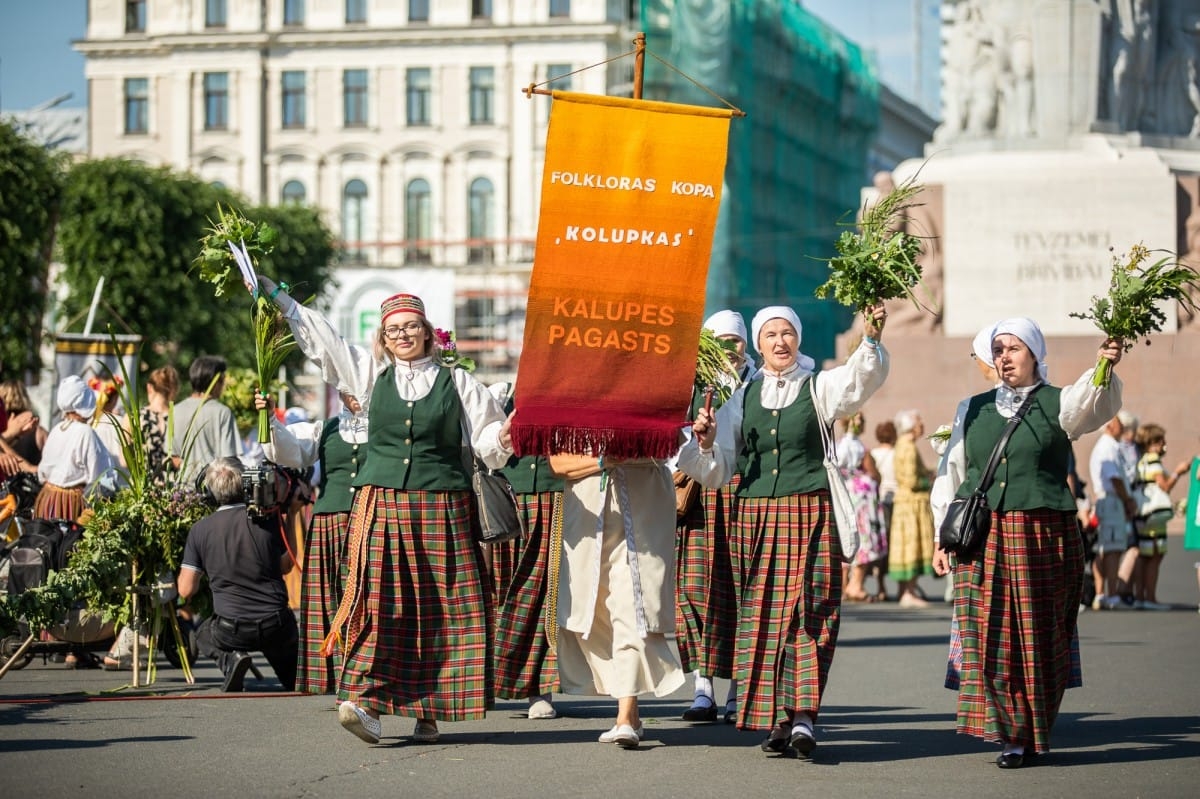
{"x": 357, "y": 721}
{"x": 623, "y": 735}
{"x": 541, "y": 708}
{"x": 1098, "y": 602}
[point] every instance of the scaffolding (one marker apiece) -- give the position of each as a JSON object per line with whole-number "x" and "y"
{"x": 795, "y": 162}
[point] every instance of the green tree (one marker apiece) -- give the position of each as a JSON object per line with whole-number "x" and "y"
{"x": 30, "y": 188}
{"x": 140, "y": 228}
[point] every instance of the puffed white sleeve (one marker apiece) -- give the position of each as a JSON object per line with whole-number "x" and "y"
{"x": 1084, "y": 407}
{"x": 344, "y": 365}
{"x": 482, "y": 418}
{"x": 715, "y": 468}
{"x": 296, "y": 446}
{"x": 844, "y": 389}
{"x": 952, "y": 470}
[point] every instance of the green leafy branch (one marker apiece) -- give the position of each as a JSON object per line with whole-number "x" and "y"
{"x": 714, "y": 367}
{"x": 1132, "y": 308}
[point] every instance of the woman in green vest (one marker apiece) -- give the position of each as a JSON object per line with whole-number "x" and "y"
{"x": 414, "y": 623}
{"x": 339, "y": 445}
{"x": 1017, "y": 600}
{"x": 790, "y": 604}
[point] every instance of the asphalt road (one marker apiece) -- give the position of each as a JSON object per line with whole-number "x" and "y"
{"x": 887, "y": 730}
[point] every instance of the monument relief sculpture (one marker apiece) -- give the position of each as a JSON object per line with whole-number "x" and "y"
{"x": 1130, "y": 61}
{"x": 1178, "y": 111}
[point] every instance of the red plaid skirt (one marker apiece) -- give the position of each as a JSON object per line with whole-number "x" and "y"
{"x": 790, "y": 605}
{"x": 1016, "y": 605}
{"x": 705, "y": 597}
{"x": 320, "y": 594}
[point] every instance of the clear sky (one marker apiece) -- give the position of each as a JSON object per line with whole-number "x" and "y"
{"x": 38, "y": 64}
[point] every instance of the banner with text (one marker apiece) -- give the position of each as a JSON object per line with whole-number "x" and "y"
{"x": 629, "y": 201}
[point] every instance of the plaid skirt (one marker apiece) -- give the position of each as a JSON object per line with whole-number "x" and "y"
{"x": 705, "y": 597}
{"x": 790, "y": 605}
{"x": 419, "y": 639}
{"x": 525, "y": 665}
{"x": 954, "y": 659}
{"x": 1016, "y": 605}
{"x": 320, "y": 594}
{"x": 54, "y": 502}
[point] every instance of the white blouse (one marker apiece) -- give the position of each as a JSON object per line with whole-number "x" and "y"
{"x": 841, "y": 391}
{"x": 73, "y": 456}
{"x": 298, "y": 445}
{"x": 1083, "y": 408}
{"x": 354, "y": 369}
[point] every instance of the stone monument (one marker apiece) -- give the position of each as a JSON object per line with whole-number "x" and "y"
{"x": 1071, "y": 132}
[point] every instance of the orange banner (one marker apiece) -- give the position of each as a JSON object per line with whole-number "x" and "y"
{"x": 630, "y": 194}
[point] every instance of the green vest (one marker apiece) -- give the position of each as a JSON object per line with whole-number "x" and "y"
{"x": 781, "y": 452}
{"x": 340, "y": 461}
{"x": 1032, "y": 472}
{"x": 415, "y": 445}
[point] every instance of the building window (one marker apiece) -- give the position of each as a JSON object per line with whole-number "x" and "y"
{"x": 560, "y": 9}
{"x": 354, "y": 212}
{"x": 294, "y": 99}
{"x": 556, "y": 79}
{"x": 354, "y": 91}
{"x": 418, "y": 10}
{"x": 135, "y": 16}
{"x": 481, "y": 9}
{"x": 356, "y": 12}
{"x": 418, "y": 222}
{"x": 479, "y": 221}
{"x": 214, "y": 13}
{"x": 419, "y": 84}
{"x": 293, "y": 193}
{"x": 137, "y": 105}
{"x": 216, "y": 100}
{"x": 482, "y": 87}
{"x": 293, "y": 12}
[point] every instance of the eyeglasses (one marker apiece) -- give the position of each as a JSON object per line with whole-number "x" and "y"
{"x": 392, "y": 332}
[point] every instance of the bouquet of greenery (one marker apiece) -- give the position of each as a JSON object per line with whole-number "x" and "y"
{"x": 714, "y": 369}
{"x": 877, "y": 260}
{"x": 227, "y": 256}
{"x": 1130, "y": 310}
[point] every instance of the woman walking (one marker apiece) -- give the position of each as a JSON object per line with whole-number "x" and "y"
{"x": 415, "y": 621}
{"x": 910, "y": 551}
{"x": 1016, "y": 601}
{"x": 790, "y": 603}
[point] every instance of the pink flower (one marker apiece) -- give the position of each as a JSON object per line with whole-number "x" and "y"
{"x": 445, "y": 338}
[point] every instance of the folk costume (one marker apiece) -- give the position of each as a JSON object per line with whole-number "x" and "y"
{"x": 339, "y": 445}
{"x": 706, "y": 583}
{"x": 526, "y": 666}
{"x": 73, "y": 458}
{"x": 616, "y": 590}
{"x": 783, "y": 531}
{"x": 1016, "y": 601}
{"x": 414, "y": 623}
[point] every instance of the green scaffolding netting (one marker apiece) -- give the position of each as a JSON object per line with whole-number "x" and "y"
{"x": 797, "y": 161}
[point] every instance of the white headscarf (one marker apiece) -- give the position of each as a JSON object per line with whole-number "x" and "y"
{"x": 982, "y": 347}
{"x": 765, "y": 315}
{"x": 1028, "y": 331}
{"x": 727, "y": 323}
{"x": 905, "y": 421}
{"x": 74, "y": 395}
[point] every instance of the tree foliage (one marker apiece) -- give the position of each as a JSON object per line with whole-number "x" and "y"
{"x": 140, "y": 228}
{"x": 30, "y": 188}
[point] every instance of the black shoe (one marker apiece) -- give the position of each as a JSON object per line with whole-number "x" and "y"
{"x": 777, "y": 743}
{"x": 1010, "y": 760}
{"x": 239, "y": 664}
{"x": 802, "y": 742}
{"x": 698, "y": 712}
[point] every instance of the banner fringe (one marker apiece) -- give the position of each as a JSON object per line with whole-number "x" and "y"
{"x": 661, "y": 441}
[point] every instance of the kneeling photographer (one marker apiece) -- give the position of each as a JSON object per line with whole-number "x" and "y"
{"x": 240, "y": 549}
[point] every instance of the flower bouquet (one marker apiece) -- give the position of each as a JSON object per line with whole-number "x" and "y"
{"x": 878, "y": 260}
{"x": 1130, "y": 310}
{"x": 227, "y": 253}
{"x": 446, "y": 351}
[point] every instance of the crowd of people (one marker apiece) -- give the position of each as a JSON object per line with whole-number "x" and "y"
{"x": 614, "y": 589}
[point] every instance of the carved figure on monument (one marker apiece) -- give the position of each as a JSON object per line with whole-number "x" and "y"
{"x": 1178, "y": 109}
{"x": 959, "y": 56}
{"x": 1130, "y": 26}
{"x": 1009, "y": 23}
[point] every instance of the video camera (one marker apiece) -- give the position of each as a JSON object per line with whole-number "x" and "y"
{"x": 265, "y": 488}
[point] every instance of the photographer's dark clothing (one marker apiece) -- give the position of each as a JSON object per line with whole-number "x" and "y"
{"x": 241, "y": 556}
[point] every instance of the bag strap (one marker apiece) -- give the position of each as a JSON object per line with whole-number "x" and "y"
{"x": 989, "y": 472}
{"x": 826, "y": 428}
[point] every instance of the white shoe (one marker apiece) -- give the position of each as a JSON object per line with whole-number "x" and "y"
{"x": 1099, "y": 602}
{"x": 623, "y": 735}
{"x": 542, "y": 709}
{"x": 357, "y": 721}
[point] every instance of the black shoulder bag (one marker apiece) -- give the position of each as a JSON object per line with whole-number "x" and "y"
{"x": 969, "y": 519}
{"x": 498, "y": 517}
